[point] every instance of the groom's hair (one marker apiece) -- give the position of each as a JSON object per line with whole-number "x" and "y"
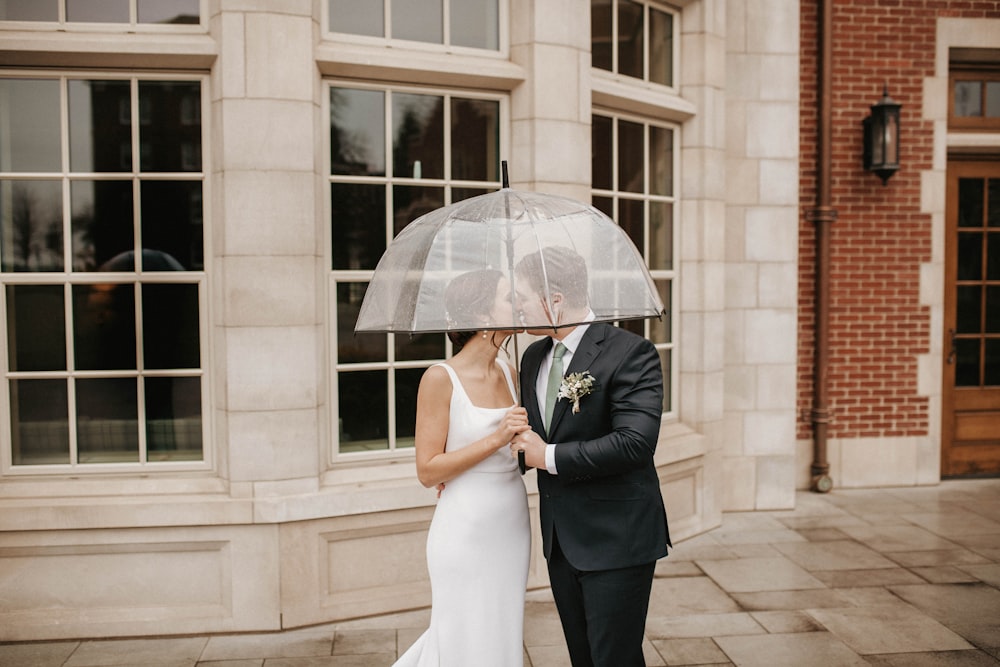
{"x": 562, "y": 268}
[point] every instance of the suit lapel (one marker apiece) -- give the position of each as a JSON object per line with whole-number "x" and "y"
{"x": 529, "y": 378}
{"x": 583, "y": 358}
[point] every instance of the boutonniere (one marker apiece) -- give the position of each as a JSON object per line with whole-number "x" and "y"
{"x": 575, "y": 386}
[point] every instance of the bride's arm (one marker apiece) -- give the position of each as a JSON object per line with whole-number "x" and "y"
{"x": 434, "y": 465}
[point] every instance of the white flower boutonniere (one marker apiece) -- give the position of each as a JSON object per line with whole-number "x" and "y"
{"x": 575, "y": 386}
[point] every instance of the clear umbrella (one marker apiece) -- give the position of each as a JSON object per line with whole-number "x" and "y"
{"x": 497, "y": 231}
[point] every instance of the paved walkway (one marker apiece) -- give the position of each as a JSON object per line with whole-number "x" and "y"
{"x": 894, "y": 577}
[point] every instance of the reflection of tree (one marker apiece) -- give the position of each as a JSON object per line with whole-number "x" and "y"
{"x": 37, "y": 237}
{"x": 348, "y": 150}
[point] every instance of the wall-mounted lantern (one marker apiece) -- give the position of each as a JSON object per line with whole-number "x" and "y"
{"x": 881, "y": 151}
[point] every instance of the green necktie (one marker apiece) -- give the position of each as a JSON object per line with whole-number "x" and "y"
{"x": 555, "y": 379}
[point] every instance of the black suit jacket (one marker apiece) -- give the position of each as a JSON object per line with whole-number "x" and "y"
{"x": 605, "y": 502}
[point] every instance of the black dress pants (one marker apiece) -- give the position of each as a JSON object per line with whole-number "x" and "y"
{"x": 603, "y": 613}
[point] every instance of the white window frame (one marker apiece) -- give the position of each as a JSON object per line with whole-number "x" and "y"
{"x": 335, "y": 277}
{"x": 68, "y": 278}
{"x": 503, "y": 31}
{"x": 132, "y": 26}
{"x": 672, "y": 382}
{"x": 675, "y": 44}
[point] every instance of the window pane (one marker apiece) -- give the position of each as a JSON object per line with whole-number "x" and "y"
{"x": 993, "y": 203}
{"x": 170, "y": 125}
{"x": 967, "y": 363}
{"x": 970, "y": 202}
{"x": 168, "y": 11}
{"x": 418, "y": 20}
{"x": 661, "y": 161}
{"x": 992, "y": 309}
{"x": 29, "y": 10}
{"x": 107, "y": 420}
{"x": 97, "y": 11}
{"x": 661, "y": 235}
{"x": 31, "y": 225}
{"x": 407, "y": 382}
{"x": 357, "y": 213}
{"x": 666, "y": 359}
{"x": 631, "y": 218}
{"x": 100, "y": 125}
{"x": 39, "y": 415}
{"x": 605, "y": 205}
{"x": 968, "y": 318}
{"x": 357, "y": 17}
{"x": 173, "y": 419}
{"x": 36, "y": 328}
{"x": 638, "y": 327}
{"x": 474, "y": 23}
{"x": 475, "y": 139}
{"x": 631, "y": 144}
{"x": 601, "y": 152}
{"x": 29, "y": 113}
{"x": 630, "y": 40}
{"x": 659, "y": 329}
{"x": 410, "y": 202}
{"x": 991, "y": 366}
{"x": 970, "y": 256}
{"x": 419, "y": 346}
{"x": 601, "y": 46}
{"x": 993, "y": 256}
{"x": 103, "y": 227}
{"x": 364, "y": 411}
{"x": 170, "y": 326}
{"x": 661, "y": 47}
{"x": 459, "y": 194}
{"x": 418, "y": 136}
{"x": 357, "y": 132}
{"x": 968, "y": 99}
{"x": 992, "y": 99}
{"x": 172, "y": 226}
{"x": 104, "y": 326}
{"x": 352, "y": 347}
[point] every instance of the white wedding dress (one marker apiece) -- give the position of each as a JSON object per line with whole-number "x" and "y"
{"x": 477, "y": 552}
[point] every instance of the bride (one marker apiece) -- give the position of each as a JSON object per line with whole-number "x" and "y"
{"x": 479, "y": 541}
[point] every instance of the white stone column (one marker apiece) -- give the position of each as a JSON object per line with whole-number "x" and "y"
{"x": 266, "y": 247}
{"x": 761, "y": 253}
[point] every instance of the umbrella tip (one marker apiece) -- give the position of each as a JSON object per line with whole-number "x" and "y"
{"x": 503, "y": 170}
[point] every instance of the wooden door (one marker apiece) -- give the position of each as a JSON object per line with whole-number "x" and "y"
{"x": 970, "y": 442}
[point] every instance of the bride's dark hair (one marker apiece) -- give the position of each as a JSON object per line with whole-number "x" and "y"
{"x": 472, "y": 294}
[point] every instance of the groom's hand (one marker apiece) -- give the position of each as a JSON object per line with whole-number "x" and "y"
{"x": 533, "y": 447}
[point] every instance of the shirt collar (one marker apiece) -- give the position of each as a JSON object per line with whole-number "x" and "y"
{"x": 573, "y": 338}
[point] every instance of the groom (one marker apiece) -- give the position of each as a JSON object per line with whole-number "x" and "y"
{"x": 603, "y": 521}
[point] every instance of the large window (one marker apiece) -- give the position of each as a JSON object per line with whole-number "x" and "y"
{"x": 128, "y": 12}
{"x": 633, "y": 38}
{"x": 463, "y": 23}
{"x": 634, "y": 182}
{"x": 395, "y": 154}
{"x": 102, "y": 264}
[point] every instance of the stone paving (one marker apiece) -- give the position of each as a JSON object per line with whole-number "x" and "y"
{"x": 894, "y": 577}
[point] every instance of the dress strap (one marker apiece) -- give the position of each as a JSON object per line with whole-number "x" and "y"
{"x": 455, "y": 382}
{"x": 510, "y": 380}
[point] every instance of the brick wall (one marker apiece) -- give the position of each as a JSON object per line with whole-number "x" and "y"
{"x": 880, "y": 239}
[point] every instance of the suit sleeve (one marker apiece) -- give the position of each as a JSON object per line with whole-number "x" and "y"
{"x": 623, "y": 437}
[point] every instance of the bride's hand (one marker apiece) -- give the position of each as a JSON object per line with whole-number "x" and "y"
{"x": 514, "y": 422}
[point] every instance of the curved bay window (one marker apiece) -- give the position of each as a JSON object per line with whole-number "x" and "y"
{"x": 102, "y": 263}
{"x": 395, "y": 154}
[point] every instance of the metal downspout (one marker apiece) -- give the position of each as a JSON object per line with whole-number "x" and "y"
{"x": 822, "y": 215}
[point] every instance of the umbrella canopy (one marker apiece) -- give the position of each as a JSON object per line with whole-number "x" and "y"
{"x": 498, "y": 230}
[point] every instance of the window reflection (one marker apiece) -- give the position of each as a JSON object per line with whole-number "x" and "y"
{"x": 173, "y": 419}
{"x": 29, "y": 10}
{"x": 418, "y": 20}
{"x": 418, "y": 135}
{"x": 475, "y": 23}
{"x": 104, "y": 326}
{"x": 170, "y": 126}
{"x": 100, "y": 125}
{"x": 97, "y": 11}
{"x": 107, "y": 420}
{"x": 364, "y": 411}
{"x": 102, "y": 224}
{"x": 351, "y": 347}
{"x": 39, "y": 422}
{"x": 357, "y": 215}
{"x": 171, "y": 221}
{"x": 170, "y": 326}
{"x": 357, "y": 17}
{"x": 36, "y": 328}
{"x": 177, "y": 12}
{"x": 475, "y": 139}
{"x": 31, "y": 226}
{"x": 29, "y": 109}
